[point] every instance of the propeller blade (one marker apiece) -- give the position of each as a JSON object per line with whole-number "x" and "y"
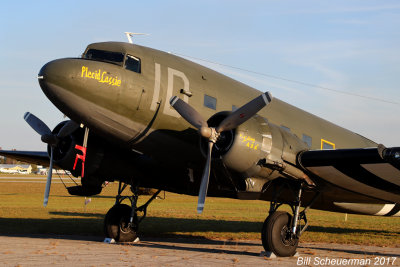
{"x": 188, "y": 112}
{"x": 244, "y": 113}
{"x": 48, "y": 183}
{"x": 204, "y": 180}
{"x": 39, "y": 126}
{"x": 50, "y": 139}
{"x": 67, "y": 129}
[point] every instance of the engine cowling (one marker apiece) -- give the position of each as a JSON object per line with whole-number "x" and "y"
{"x": 258, "y": 148}
{"x": 64, "y": 153}
{"x": 104, "y": 160}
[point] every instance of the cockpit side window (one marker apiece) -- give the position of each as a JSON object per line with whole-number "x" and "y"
{"x": 105, "y": 56}
{"x": 132, "y": 63}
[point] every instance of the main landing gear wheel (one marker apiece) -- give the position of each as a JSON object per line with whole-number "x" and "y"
{"x": 276, "y": 234}
{"x": 117, "y": 225}
{"x": 122, "y": 221}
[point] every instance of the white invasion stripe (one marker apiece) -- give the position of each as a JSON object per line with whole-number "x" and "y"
{"x": 334, "y": 176}
{"x": 385, "y": 210}
{"x": 396, "y": 215}
{"x": 385, "y": 171}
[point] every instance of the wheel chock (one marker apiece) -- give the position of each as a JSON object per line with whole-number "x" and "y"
{"x": 271, "y": 255}
{"x": 268, "y": 254}
{"x": 109, "y": 240}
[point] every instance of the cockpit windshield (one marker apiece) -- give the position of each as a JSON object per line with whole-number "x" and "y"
{"x": 105, "y": 56}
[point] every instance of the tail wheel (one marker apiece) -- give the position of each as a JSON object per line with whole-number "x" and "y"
{"x": 276, "y": 235}
{"x": 117, "y": 226}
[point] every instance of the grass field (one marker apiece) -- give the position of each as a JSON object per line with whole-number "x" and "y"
{"x": 21, "y": 212}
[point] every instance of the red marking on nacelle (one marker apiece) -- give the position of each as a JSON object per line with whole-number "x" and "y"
{"x": 81, "y": 157}
{"x": 242, "y": 115}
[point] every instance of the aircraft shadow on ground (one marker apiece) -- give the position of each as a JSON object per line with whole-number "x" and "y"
{"x": 151, "y": 226}
{"x": 222, "y": 249}
{"x": 78, "y": 214}
{"x": 218, "y": 250}
{"x": 174, "y": 230}
{"x": 94, "y": 197}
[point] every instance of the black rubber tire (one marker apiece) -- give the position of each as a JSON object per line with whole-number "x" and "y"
{"x": 116, "y": 224}
{"x": 275, "y": 237}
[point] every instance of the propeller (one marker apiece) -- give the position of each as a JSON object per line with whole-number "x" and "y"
{"x": 51, "y": 139}
{"x": 235, "y": 119}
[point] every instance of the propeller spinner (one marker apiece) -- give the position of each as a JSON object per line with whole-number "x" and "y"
{"x": 235, "y": 119}
{"x": 51, "y": 139}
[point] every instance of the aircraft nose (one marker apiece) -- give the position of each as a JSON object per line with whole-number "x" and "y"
{"x": 75, "y": 84}
{"x": 56, "y": 76}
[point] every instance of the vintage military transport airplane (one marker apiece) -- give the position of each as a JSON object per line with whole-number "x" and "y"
{"x": 159, "y": 121}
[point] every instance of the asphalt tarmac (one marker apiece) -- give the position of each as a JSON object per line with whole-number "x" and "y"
{"x": 75, "y": 251}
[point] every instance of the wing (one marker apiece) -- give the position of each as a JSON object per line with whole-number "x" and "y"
{"x": 373, "y": 172}
{"x": 34, "y": 157}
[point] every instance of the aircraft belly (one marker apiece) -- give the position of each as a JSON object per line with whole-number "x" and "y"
{"x": 338, "y": 178}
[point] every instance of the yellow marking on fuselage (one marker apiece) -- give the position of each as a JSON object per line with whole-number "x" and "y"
{"x": 327, "y": 142}
{"x": 100, "y": 76}
{"x": 250, "y": 142}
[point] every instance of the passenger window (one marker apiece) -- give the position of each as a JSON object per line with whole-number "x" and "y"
{"x": 132, "y": 63}
{"x": 307, "y": 139}
{"x": 210, "y": 102}
{"x": 327, "y": 145}
{"x": 285, "y": 128}
{"x": 105, "y": 56}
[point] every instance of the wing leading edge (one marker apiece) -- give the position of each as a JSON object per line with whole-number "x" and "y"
{"x": 374, "y": 172}
{"x": 34, "y": 157}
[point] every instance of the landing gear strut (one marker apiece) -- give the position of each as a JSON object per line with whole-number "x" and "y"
{"x": 281, "y": 231}
{"x": 122, "y": 221}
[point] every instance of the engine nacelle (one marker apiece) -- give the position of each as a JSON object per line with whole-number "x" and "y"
{"x": 257, "y": 148}
{"x": 64, "y": 153}
{"x": 104, "y": 160}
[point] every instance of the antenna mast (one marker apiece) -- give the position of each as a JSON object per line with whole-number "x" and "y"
{"x": 130, "y": 34}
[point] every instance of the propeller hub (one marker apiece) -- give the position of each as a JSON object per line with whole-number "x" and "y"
{"x": 231, "y": 122}
{"x": 206, "y": 132}
{"x": 210, "y": 133}
{"x": 50, "y": 139}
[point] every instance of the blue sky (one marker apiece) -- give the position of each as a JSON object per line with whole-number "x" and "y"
{"x": 352, "y": 46}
